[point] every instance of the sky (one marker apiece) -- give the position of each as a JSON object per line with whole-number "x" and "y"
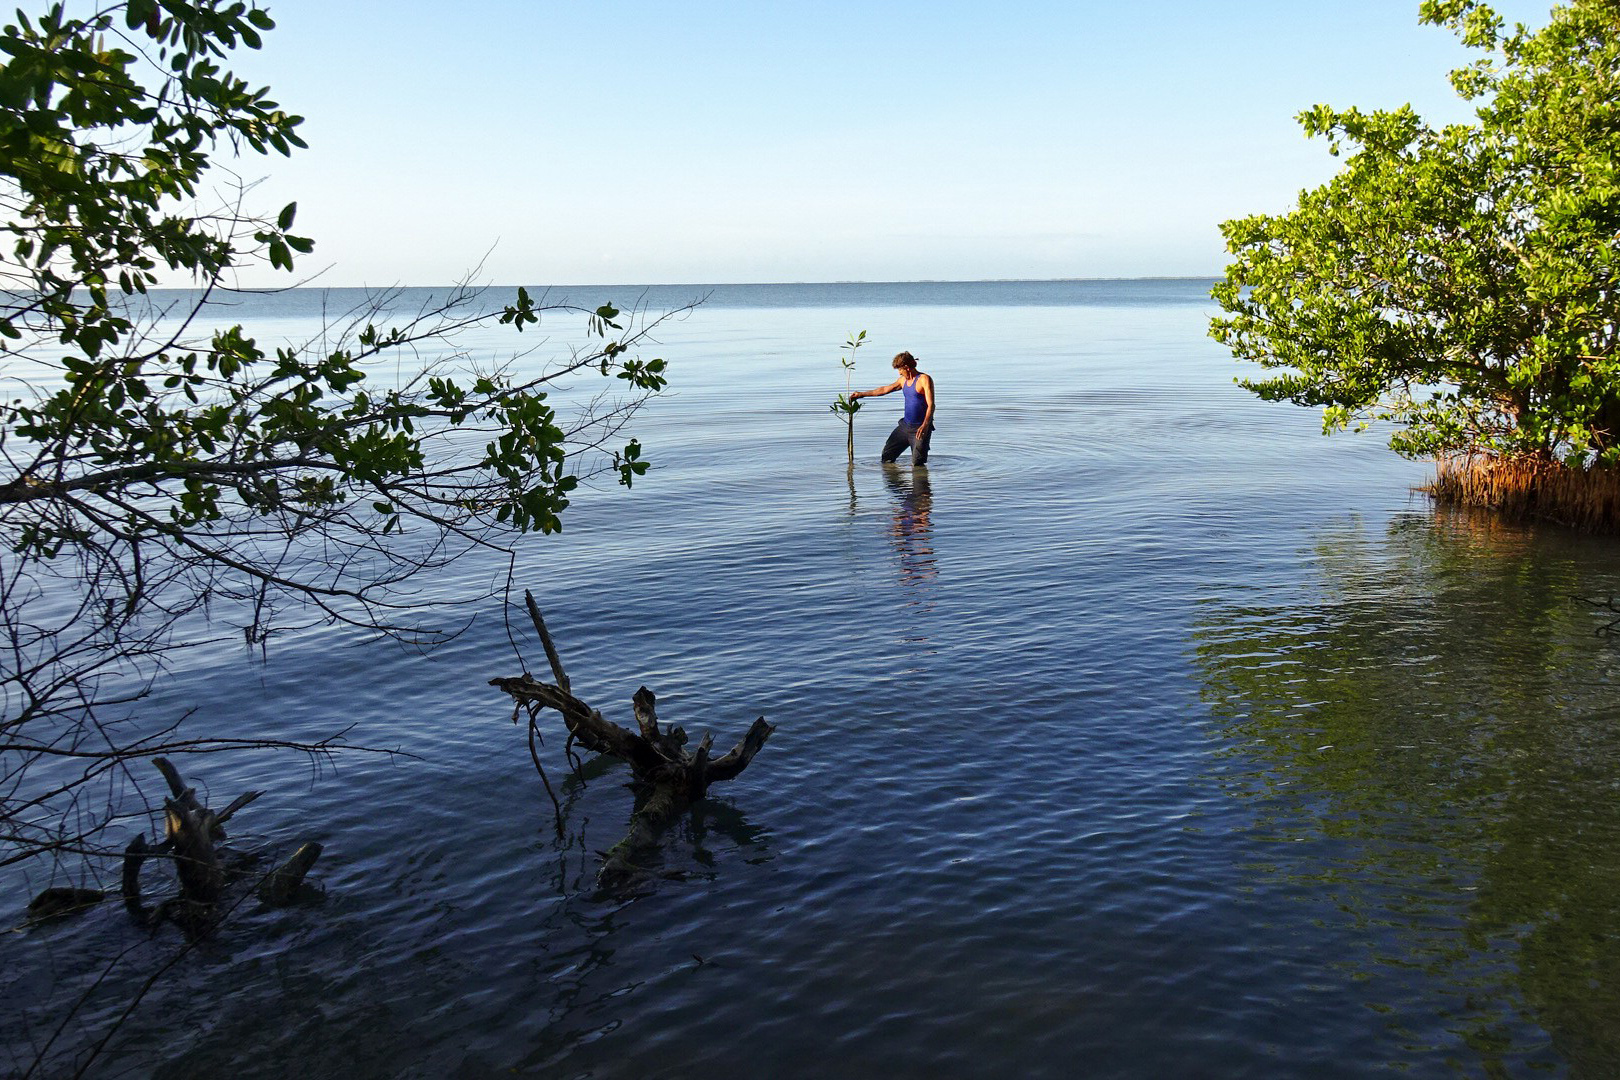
{"x": 553, "y": 143}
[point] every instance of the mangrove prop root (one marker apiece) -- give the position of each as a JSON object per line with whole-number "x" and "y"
{"x": 671, "y": 776}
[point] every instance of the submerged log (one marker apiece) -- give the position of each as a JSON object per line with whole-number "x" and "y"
{"x": 667, "y": 776}
{"x": 61, "y": 901}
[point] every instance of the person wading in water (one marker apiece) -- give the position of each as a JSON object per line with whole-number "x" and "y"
{"x": 917, "y": 424}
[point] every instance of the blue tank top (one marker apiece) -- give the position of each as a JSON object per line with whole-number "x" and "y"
{"x": 916, "y": 407}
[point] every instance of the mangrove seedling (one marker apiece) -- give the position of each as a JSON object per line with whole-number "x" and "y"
{"x": 844, "y": 406}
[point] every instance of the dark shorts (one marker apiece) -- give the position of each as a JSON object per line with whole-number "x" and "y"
{"x": 906, "y": 435}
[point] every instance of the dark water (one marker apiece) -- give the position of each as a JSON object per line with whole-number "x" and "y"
{"x": 1145, "y": 733}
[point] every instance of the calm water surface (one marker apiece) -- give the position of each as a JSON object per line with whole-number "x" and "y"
{"x": 1144, "y": 733}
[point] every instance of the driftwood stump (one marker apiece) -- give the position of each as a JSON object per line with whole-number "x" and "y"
{"x": 193, "y": 842}
{"x": 667, "y": 774}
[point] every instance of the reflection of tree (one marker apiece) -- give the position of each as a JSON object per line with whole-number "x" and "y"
{"x": 585, "y": 989}
{"x": 688, "y": 850}
{"x": 1440, "y": 714}
{"x": 911, "y": 532}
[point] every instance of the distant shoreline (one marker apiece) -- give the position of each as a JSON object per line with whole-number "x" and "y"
{"x": 1148, "y": 279}
{"x": 355, "y": 300}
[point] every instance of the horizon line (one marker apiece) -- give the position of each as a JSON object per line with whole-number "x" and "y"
{"x": 721, "y": 284}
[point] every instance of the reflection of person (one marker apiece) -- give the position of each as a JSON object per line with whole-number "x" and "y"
{"x": 917, "y": 423}
{"x": 911, "y": 532}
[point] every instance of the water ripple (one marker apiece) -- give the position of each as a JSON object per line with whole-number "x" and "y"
{"x": 1143, "y": 733}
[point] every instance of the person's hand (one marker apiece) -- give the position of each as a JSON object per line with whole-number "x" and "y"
{"x": 854, "y": 394}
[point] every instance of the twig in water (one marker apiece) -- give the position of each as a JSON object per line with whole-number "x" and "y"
{"x": 534, "y": 737}
{"x": 1612, "y": 627}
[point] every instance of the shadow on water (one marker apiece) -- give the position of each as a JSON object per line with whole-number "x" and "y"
{"x": 1429, "y": 739}
{"x": 582, "y": 988}
{"x": 685, "y": 849}
{"x": 564, "y": 973}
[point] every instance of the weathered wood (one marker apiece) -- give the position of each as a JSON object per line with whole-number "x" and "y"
{"x": 285, "y": 884}
{"x": 669, "y": 743}
{"x": 235, "y": 804}
{"x": 134, "y": 857}
{"x": 587, "y": 725}
{"x": 191, "y": 831}
{"x": 669, "y": 776}
{"x": 620, "y": 865}
{"x": 60, "y": 901}
{"x": 177, "y": 786}
{"x": 737, "y": 759}
{"x": 698, "y": 778}
{"x": 647, "y": 751}
{"x": 643, "y": 703}
{"x": 552, "y": 657}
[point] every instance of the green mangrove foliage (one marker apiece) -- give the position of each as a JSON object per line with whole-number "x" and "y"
{"x": 843, "y": 406}
{"x": 151, "y": 473}
{"x": 1459, "y": 281}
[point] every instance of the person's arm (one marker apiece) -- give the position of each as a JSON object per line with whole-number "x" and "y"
{"x": 879, "y": 392}
{"x": 925, "y": 387}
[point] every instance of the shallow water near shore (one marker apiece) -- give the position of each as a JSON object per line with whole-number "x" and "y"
{"x": 1145, "y": 732}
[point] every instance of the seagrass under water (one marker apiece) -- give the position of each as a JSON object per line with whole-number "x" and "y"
{"x": 1144, "y": 733}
